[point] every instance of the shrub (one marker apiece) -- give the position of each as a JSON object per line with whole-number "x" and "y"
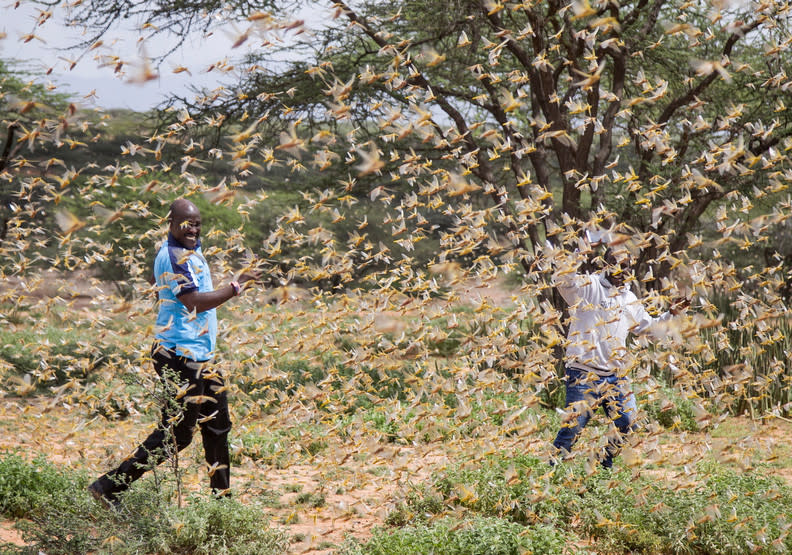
{"x": 718, "y": 511}
{"x": 226, "y": 526}
{"x": 26, "y": 487}
{"x": 725, "y": 512}
{"x": 672, "y": 411}
{"x": 479, "y": 536}
{"x": 147, "y": 522}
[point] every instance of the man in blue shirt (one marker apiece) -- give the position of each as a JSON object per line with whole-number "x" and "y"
{"x": 182, "y": 354}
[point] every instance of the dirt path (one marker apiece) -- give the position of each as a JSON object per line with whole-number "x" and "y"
{"x": 345, "y": 490}
{"x": 9, "y": 534}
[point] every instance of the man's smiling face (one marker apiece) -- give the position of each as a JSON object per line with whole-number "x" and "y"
{"x": 185, "y": 226}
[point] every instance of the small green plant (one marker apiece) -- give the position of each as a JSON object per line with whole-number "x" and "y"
{"x": 207, "y": 525}
{"x": 672, "y": 411}
{"x": 478, "y": 536}
{"x": 26, "y": 487}
{"x": 147, "y": 521}
{"x": 724, "y": 512}
{"x": 420, "y": 504}
{"x": 313, "y": 500}
{"x": 264, "y": 448}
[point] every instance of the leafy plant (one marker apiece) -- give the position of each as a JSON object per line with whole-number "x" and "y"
{"x": 477, "y": 536}
{"x": 148, "y": 522}
{"x": 26, "y": 487}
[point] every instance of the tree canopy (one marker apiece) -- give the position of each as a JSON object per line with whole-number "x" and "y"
{"x": 366, "y": 143}
{"x": 646, "y": 114}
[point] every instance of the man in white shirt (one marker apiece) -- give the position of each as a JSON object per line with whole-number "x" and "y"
{"x": 603, "y": 312}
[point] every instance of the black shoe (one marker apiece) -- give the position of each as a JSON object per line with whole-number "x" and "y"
{"x": 109, "y": 500}
{"x": 221, "y": 493}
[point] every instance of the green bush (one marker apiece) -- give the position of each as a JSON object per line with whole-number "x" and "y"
{"x": 59, "y": 355}
{"x": 726, "y": 513}
{"x": 720, "y": 511}
{"x": 478, "y": 536}
{"x": 27, "y": 487}
{"x": 226, "y": 526}
{"x": 61, "y": 517}
{"x": 505, "y": 487}
{"x": 672, "y": 411}
{"x": 333, "y": 377}
{"x": 147, "y": 521}
{"x": 420, "y": 505}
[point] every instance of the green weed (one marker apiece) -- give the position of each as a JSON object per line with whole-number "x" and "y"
{"x": 672, "y": 411}
{"x": 148, "y": 522}
{"x": 26, "y": 487}
{"x": 719, "y": 511}
{"x": 477, "y": 536}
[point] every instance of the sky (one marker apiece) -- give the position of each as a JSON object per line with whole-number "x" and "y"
{"x": 97, "y": 86}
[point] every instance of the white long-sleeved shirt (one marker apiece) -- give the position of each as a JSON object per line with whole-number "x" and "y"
{"x": 602, "y": 316}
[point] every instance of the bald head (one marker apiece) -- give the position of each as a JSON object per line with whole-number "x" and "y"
{"x": 182, "y": 209}
{"x": 185, "y": 222}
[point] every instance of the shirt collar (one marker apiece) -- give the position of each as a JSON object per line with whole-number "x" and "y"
{"x": 607, "y": 284}
{"x": 604, "y": 280}
{"x": 175, "y": 242}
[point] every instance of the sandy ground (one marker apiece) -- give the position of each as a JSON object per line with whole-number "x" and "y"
{"x": 357, "y": 480}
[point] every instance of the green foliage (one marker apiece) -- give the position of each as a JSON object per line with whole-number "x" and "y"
{"x": 71, "y": 521}
{"x": 293, "y": 375}
{"x": 57, "y": 365}
{"x": 671, "y": 410}
{"x": 721, "y": 511}
{"x": 420, "y": 505}
{"x": 504, "y": 487}
{"x": 751, "y": 354}
{"x": 19, "y": 87}
{"x": 211, "y": 526}
{"x": 299, "y": 255}
{"x": 313, "y": 500}
{"x": 50, "y": 354}
{"x": 26, "y": 488}
{"x": 477, "y": 536}
{"x": 726, "y": 512}
{"x": 281, "y": 446}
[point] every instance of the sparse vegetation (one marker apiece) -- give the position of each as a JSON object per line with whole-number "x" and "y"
{"x": 412, "y": 178}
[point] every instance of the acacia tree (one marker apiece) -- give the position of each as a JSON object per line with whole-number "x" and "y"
{"x": 487, "y": 128}
{"x": 643, "y": 112}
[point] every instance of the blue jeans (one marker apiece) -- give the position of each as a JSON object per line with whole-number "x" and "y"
{"x": 585, "y": 391}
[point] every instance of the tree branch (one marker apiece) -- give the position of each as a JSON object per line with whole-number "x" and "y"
{"x": 483, "y": 170}
{"x": 687, "y": 98}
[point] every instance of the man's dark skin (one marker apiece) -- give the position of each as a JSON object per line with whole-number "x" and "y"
{"x": 617, "y": 271}
{"x": 185, "y": 226}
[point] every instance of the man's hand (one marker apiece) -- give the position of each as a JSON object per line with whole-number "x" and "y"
{"x": 250, "y": 274}
{"x": 679, "y": 305}
{"x": 251, "y": 271}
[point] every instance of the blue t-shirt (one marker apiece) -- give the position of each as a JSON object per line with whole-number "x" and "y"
{"x": 179, "y": 270}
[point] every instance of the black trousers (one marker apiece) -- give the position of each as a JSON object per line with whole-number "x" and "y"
{"x": 193, "y": 396}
